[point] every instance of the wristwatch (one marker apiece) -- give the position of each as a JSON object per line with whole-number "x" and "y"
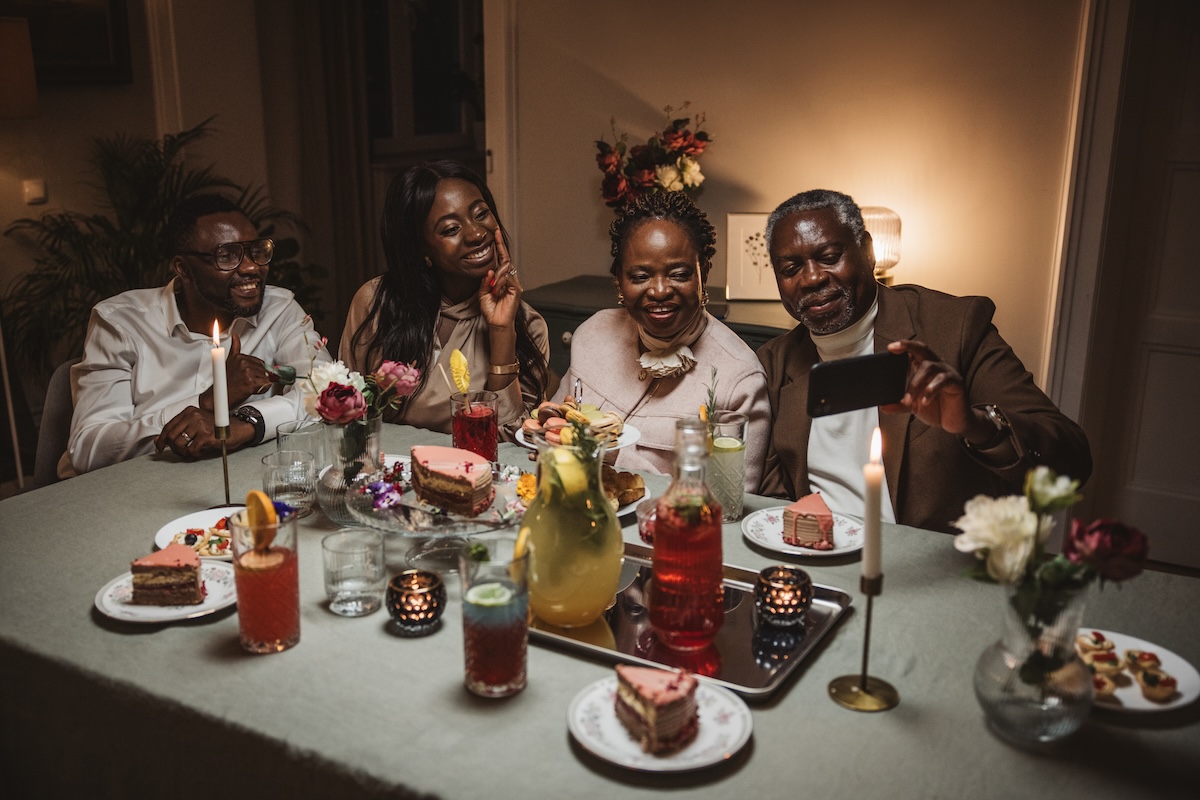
{"x": 1003, "y": 429}
{"x": 1004, "y": 433}
{"x": 252, "y": 416}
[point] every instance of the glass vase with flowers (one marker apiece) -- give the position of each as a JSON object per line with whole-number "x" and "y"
{"x": 1031, "y": 683}
{"x": 352, "y": 406}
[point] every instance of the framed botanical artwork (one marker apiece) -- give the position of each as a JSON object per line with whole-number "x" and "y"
{"x": 747, "y": 262}
{"x": 76, "y": 41}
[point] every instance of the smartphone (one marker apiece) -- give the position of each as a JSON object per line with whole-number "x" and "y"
{"x": 852, "y": 383}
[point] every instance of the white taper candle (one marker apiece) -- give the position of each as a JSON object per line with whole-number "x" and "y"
{"x": 872, "y": 566}
{"x": 220, "y": 389}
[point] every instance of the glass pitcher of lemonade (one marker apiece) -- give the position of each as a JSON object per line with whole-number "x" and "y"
{"x": 573, "y": 536}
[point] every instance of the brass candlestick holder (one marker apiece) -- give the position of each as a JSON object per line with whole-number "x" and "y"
{"x": 862, "y": 692}
{"x": 222, "y": 435}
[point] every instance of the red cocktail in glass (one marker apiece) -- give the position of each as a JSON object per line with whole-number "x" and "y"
{"x": 474, "y": 423}
{"x": 268, "y": 588}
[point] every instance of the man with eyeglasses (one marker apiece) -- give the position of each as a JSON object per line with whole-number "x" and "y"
{"x": 145, "y": 381}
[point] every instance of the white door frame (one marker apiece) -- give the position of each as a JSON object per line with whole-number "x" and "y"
{"x": 1085, "y": 202}
{"x": 500, "y": 99}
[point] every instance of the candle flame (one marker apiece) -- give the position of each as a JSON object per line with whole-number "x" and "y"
{"x": 216, "y": 335}
{"x": 876, "y": 447}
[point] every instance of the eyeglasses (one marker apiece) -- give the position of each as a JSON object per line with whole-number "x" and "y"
{"x": 228, "y": 256}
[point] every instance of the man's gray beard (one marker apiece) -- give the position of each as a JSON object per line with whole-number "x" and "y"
{"x": 831, "y": 325}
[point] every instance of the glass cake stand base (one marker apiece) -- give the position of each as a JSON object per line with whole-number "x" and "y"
{"x": 436, "y": 554}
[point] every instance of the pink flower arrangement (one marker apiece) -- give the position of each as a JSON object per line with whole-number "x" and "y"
{"x": 337, "y": 395}
{"x": 665, "y": 163}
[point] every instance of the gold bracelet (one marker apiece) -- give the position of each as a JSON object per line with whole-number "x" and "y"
{"x": 505, "y": 369}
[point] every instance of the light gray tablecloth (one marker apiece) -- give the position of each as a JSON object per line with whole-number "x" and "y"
{"x": 90, "y": 707}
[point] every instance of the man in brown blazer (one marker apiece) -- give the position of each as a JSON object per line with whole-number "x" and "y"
{"x": 971, "y": 420}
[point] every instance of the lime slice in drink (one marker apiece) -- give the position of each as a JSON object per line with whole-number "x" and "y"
{"x": 489, "y": 594}
{"x": 728, "y": 444}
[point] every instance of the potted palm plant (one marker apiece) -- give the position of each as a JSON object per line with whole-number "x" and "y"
{"x": 82, "y": 259}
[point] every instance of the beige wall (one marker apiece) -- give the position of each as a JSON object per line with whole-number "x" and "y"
{"x": 955, "y": 114}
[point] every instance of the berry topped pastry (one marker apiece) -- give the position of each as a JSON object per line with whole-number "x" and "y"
{"x": 1103, "y": 662}
{"x": 1092, "y": 642}
{"x": 1138, "y": 660}
{"x": 1157, "y": 685}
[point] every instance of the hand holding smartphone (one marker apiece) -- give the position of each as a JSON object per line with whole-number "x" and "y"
{"x": 849, "y": 384}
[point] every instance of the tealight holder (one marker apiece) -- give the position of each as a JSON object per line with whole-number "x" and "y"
{"x": 415, "y": 600}
{"x": 782, "y": 594}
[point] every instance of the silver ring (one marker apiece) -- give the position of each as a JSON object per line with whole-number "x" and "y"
{"x": 185, "y": 436}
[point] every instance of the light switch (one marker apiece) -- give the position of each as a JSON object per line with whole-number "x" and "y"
{"x": 34, "y": 190}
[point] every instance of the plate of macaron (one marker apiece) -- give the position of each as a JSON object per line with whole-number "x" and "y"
{"x": 552, "y": 422}
{"x": 1133, "y": 676}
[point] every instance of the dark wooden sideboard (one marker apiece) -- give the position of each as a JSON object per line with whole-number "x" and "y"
{"x": 567, "y": 303}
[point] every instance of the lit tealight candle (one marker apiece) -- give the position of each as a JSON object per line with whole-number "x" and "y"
{"x": 220, "y": 389}
{"x": 873, "y": 475}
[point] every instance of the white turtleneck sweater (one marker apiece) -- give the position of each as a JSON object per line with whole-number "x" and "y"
{"x": 839, "y": 444}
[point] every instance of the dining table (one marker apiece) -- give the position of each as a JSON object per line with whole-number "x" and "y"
{"x": 91, "y": 706}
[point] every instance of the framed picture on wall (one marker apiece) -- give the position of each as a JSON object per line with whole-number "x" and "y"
{"x": 747, "y": 261}
{"x": 76, "y": 41}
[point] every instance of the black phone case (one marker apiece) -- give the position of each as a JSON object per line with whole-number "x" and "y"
{"x": 849, "y": 384}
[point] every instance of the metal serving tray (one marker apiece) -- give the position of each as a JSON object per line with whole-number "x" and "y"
{"x": 748, "y": 657}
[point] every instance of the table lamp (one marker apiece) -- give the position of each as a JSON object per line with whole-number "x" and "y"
{"x": 884, "y": 226}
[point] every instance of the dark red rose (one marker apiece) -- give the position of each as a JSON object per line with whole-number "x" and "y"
{"x": 340, "y": 403}
{"x": 614, "y": 189}
{"x": 679, "y": 140}
{"x": 607, "y": 158}
{"x": 642, "y": 157}
{"x": 697, "y": 145}
{"x": 642, "y": 177}
{"x": 1115, "y": 550}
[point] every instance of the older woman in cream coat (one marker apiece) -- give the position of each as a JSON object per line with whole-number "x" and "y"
{"x": 653, "y": 361}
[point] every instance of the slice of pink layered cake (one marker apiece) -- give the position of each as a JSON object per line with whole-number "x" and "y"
{"x": 808, "y": 522}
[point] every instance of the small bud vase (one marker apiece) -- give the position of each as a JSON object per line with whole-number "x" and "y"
{"x": 352, "y": 448}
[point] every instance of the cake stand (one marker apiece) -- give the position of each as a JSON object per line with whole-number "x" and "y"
{"x": 437, "y": 535}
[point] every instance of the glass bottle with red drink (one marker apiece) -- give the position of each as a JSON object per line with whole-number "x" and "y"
{"x": 687, "y": 594}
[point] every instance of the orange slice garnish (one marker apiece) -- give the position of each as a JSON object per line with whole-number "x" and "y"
{"x": 262, "y": 519}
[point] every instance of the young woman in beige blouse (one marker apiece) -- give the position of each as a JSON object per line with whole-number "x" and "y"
{"x": 449, "y": 285}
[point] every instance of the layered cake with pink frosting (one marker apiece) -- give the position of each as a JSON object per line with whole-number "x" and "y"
{"x": 657, "y": 707}
{"x": 170, "y": 577}
{"x": 808, "y": 522}
{"x": 458, "y": 481}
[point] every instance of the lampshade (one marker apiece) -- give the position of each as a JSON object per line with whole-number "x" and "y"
{"x": 884, "y": 226}
{"x": 18, "y": 87}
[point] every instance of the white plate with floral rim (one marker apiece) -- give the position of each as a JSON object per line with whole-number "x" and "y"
{"x": 725, "y": 727}
{"x": 765, "y": 528}
{"x": 114, "y": 599}
{"x": 1128, "y": 698}
{"x": 199, "y": 520}
{"x": 629, "y": 435}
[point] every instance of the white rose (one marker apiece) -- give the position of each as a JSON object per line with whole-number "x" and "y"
{"x": 690, "y": 169}
{"x": 1049, "y": 492}
{"x": 668, "y": 178}
{"x": 1005, "y": 530}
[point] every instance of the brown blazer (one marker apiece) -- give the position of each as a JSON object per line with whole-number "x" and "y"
{"x": 930, "y": 473}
